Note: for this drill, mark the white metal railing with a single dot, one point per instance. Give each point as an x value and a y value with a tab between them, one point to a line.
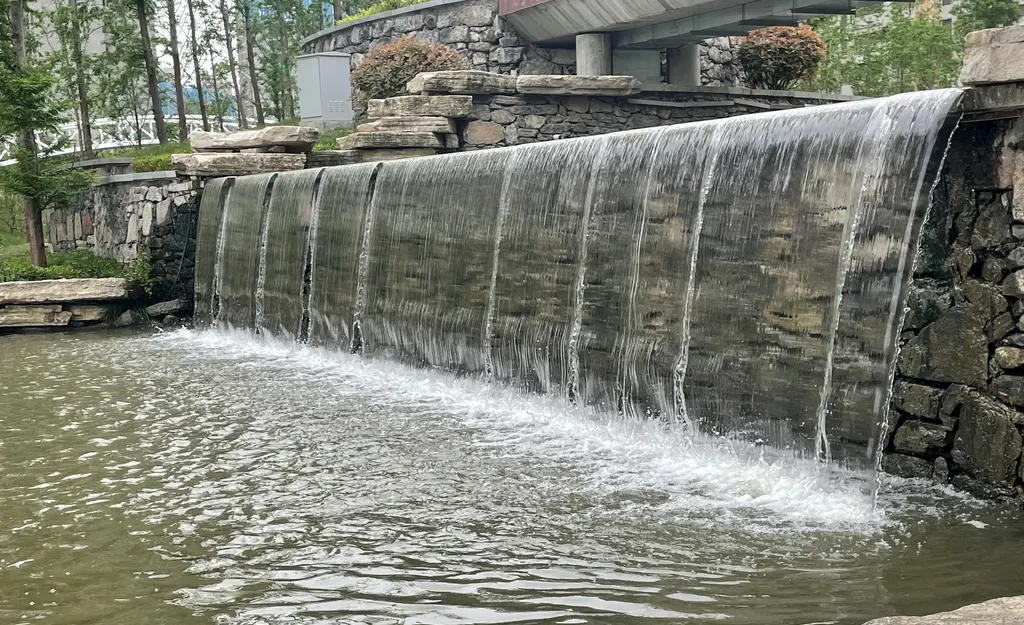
108	133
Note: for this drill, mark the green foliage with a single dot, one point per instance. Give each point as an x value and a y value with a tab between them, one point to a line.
377	7
160	162
386	69
780	56
329	139
77	264
973	15
887	49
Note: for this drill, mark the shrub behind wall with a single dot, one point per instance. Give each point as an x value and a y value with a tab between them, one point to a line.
780	56
386	69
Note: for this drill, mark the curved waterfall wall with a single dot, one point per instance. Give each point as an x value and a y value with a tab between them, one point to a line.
746	275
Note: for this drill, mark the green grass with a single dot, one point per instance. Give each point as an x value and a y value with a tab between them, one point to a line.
150	157
16	267
12	244
329	139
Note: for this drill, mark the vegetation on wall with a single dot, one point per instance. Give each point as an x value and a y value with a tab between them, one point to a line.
780	56
386	69
357	11
76	264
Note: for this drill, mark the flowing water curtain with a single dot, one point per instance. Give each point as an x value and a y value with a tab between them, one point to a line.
342	220
285	264
209	250
242	246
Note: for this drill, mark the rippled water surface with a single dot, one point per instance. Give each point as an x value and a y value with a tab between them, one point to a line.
212	478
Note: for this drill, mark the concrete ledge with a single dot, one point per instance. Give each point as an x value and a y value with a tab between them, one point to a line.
379	16
102	162
986	101
143	177
745	91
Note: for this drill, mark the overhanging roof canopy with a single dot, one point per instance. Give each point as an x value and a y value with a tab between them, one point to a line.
660	23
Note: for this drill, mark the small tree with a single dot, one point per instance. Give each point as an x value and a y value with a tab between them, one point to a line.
386	69
780	56
980	14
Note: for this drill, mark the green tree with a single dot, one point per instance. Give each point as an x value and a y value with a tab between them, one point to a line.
27	106
972	15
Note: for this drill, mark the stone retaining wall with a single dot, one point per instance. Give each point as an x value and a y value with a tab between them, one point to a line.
487	40
500	120
959	391
126	214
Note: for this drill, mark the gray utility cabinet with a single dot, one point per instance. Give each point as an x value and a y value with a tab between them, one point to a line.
325	90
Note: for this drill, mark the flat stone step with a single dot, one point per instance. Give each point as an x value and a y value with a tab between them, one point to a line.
230	164
64	291
331	158
579	85
88	312
454	106
467	82
440	125
386	154
17	316
297	138
374	140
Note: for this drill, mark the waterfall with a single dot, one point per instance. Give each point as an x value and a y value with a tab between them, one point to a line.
739	275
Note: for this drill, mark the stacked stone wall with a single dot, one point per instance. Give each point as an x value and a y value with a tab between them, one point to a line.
959	390
122	218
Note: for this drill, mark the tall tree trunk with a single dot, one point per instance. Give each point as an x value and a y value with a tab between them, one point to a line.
83	91
239	104
179	94
195	65
216	91
154	86
30	209
250	43
286	68
339	8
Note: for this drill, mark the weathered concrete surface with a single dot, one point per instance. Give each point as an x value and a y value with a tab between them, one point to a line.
88	312
468	82
454	106
992	56
384	154
331	158
375	140
29	316
578	85
298	138
230	164
63	291
1004	611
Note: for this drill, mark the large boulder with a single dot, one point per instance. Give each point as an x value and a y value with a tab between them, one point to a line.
63	291
292	138
579	85
987	443
467	82
992	56
212	165
454	106
1004	611
952	349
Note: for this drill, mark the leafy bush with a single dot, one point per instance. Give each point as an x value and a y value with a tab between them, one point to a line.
77	264
386	69
378	7
155	162
329	140
780	56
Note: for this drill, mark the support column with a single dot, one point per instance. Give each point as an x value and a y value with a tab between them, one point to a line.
684	65
593	54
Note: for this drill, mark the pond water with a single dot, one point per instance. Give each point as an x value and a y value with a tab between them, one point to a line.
204	477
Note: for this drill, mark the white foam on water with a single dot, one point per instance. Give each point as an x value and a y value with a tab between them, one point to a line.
718	481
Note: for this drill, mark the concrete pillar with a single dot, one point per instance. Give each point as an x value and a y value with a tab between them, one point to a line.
593	54
684	65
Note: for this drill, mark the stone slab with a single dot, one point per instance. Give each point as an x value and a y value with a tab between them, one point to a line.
376	140
332	158
88	312
63	291
440	125
1003	611
385	154
166	308
454	106
299	138
230	164
468	82
578	85
33	316
993	56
